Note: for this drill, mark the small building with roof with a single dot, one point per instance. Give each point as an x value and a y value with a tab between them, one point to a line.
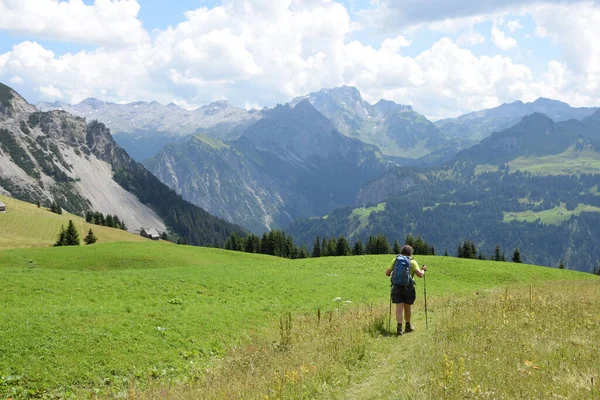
2	207
150	233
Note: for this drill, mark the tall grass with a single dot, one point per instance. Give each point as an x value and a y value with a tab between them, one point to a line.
118	319
518	343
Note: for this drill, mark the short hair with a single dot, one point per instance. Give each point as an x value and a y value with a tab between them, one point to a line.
407	250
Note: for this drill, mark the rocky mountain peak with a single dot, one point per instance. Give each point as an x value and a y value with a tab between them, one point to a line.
93	103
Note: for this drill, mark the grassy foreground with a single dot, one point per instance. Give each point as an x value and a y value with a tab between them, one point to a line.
26	225
119	318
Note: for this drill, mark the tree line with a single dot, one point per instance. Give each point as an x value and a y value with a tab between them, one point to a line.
468	249
111	221
278	243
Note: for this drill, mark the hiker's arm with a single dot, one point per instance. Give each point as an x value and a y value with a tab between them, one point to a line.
388	271
420	271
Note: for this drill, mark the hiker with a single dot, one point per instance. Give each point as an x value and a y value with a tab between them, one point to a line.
402	271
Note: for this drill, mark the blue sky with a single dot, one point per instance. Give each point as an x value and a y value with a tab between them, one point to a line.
444	58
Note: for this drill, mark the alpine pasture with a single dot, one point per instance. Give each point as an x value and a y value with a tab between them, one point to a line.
143	319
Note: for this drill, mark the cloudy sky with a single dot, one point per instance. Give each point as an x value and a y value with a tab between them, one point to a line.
443	57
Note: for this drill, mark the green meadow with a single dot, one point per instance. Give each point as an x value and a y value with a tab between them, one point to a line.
131	318
108	317
25	225
570	162
555	215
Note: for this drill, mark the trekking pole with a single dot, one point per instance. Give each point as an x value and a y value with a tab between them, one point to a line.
425	296
390	315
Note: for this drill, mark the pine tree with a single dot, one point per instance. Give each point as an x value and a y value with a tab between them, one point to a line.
317	247
60	241
497	254
71	235
396	249
358	248
561	265
331	246
324	251
303	252
446	253
90	238
516	258
342	248
164	236
55	207
382	246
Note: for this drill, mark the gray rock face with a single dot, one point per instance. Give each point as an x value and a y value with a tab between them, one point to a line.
396	129
293	163
143	128
55	155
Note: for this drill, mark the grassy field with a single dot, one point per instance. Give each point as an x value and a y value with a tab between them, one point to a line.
570	162
363	214
150	319
555	215
26	225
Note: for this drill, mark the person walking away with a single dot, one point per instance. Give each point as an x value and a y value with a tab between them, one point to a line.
402	272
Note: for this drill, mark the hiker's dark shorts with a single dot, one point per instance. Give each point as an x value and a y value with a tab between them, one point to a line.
403	294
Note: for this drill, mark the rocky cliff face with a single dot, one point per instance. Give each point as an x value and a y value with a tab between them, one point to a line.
291	164
55	155
396	129
143	128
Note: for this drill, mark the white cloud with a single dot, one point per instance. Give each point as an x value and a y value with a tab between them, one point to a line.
394	45
501	40
394	14
470	38
513	25
50	92
105	23
16	80
260	52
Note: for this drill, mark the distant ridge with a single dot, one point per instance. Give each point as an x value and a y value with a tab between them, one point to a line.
478	125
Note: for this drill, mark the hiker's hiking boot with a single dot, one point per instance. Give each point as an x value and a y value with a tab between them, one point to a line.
399	330
409	328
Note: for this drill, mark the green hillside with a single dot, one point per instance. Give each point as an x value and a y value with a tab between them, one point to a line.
116	316
26	225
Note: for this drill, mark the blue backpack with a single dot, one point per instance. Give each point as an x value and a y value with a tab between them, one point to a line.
401	271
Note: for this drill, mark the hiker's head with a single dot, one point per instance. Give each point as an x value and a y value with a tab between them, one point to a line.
407	250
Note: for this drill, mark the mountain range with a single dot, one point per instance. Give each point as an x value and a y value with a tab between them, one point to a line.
143	128
291	164
331	153
47	156
478	125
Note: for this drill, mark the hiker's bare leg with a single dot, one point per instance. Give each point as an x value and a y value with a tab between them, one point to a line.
407	312
399	308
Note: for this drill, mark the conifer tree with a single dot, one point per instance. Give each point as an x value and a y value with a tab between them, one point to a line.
60	240
561	265
396	249
324	250
497	254
317	247
331	246
446	253
55	207
164	236
342	247
71	235
90	238
358	248
303	252
516	258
